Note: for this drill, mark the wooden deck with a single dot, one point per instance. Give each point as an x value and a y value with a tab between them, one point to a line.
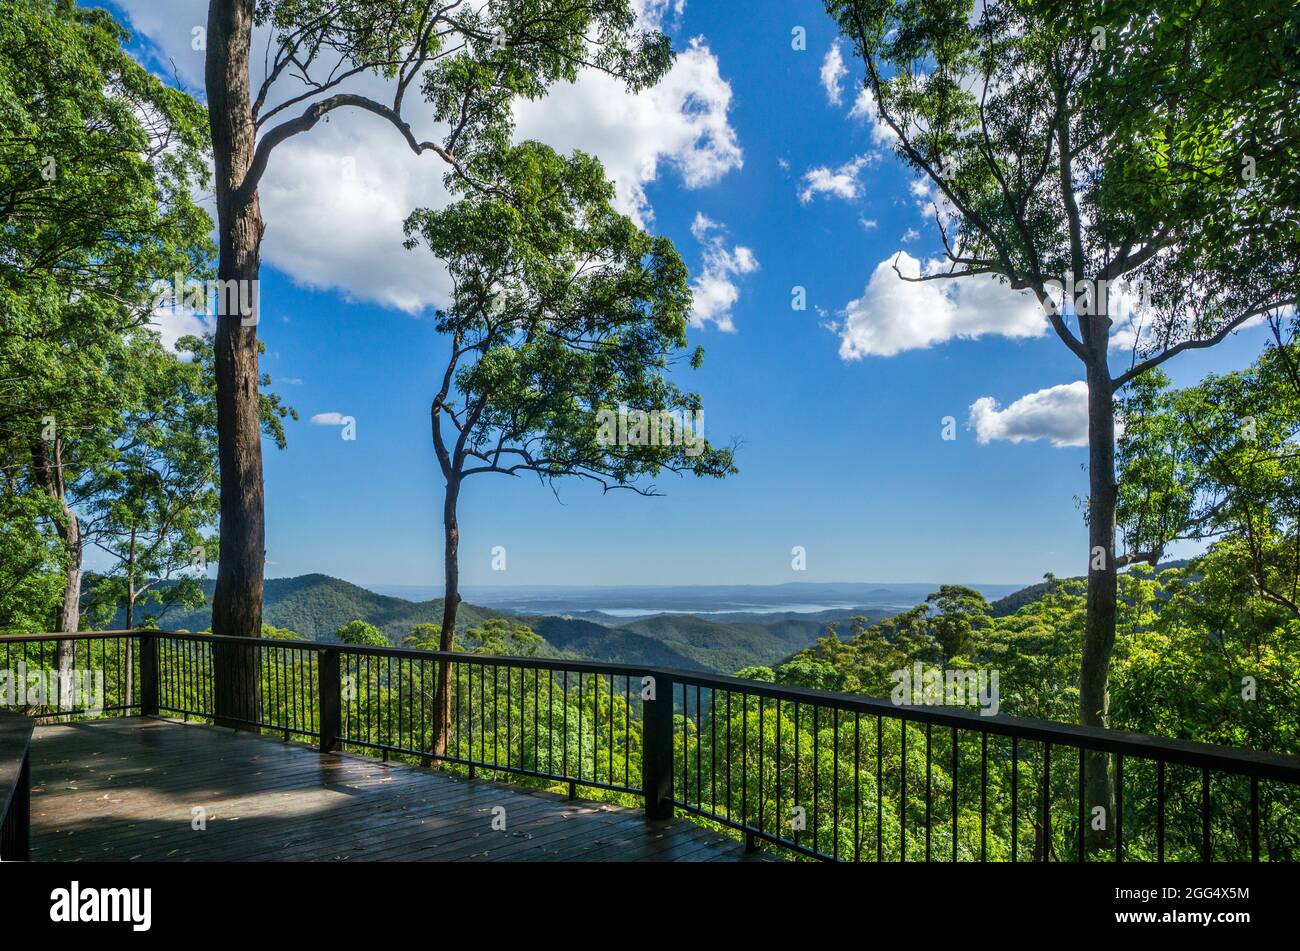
125	790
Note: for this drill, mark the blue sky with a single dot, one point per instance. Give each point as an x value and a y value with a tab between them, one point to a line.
840	456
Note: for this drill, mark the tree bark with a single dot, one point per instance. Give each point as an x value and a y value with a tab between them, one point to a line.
450	605
128	654
237	600
47	470
1099	629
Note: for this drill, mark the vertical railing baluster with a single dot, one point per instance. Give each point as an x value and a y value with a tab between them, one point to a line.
1082	853
699	733
1015	797
1254	819
928	757
1047	801
1119	807
984	796
857	787
761	743
880	799
835	787
744	759
1207	849
796	766
902	793
955	763
1160	810
816	804
713	750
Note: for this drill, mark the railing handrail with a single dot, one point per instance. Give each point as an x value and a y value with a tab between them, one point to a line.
1259	764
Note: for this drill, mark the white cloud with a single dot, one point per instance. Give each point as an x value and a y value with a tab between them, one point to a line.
715	291
843	182
865	109
330	231
1057	413
911	234
173	323
329	419
682	123
334	202
833	72
894	315
653	13
869	224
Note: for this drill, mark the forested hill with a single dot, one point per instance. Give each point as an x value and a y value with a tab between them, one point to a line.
1013	602
316	606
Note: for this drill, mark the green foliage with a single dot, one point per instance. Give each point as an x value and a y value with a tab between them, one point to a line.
362	634
563	308
1217	461
278	634
99	160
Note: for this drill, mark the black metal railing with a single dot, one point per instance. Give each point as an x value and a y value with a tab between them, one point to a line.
15	786
854	778
822	775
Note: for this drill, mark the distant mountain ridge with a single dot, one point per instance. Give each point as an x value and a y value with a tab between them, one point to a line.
315	606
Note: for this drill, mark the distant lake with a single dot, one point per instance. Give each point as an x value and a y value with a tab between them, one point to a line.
792	608
627	601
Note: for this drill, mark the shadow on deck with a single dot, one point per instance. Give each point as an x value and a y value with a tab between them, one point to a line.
126	790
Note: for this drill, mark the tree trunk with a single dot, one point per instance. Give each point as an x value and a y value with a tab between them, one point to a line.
237	601
130	606
450	604
47	470
129	654
1099	632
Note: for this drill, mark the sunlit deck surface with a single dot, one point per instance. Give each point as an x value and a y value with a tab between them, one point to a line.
124	790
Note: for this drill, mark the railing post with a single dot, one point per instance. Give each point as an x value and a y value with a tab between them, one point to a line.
329	687
657	746
148	675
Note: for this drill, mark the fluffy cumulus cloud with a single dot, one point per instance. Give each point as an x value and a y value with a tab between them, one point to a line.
842	182
894	315
334	202
335	198
681	123
714	286
833	72
1057	413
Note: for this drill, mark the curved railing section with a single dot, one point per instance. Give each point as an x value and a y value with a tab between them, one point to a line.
821	775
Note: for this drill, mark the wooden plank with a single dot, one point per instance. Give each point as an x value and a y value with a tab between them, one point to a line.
123	790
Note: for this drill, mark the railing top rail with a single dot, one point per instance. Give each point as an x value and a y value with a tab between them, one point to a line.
1262	765
15	738
70	636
